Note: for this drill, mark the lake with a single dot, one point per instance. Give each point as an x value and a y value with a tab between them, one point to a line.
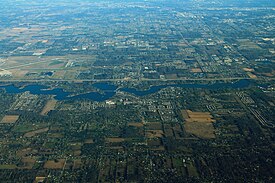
108	90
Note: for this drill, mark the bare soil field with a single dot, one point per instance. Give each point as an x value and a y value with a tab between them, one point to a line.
136	124
196	70
48	107
199	124
89	141
154	133
114	140
33	133
54	164
200	129
28	163
9	119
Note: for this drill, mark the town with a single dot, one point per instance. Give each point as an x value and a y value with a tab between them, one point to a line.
137	91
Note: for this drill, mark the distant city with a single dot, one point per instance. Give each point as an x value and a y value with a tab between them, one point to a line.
137	91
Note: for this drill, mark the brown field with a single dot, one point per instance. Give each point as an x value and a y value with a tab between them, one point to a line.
160	148
19	62
55	135
199	124
35	132
77	164
136	124
28	163
168	131
8	167
9	119
18	73
270	74
200	129
184	114
253	76
76	146
154	142
39	179
25	152
114	140
154	133
77	153
171	76
199	116
48	107
54	164
89	141
196	70
248	69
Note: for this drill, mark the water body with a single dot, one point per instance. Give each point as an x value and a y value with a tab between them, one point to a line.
109	90
239	84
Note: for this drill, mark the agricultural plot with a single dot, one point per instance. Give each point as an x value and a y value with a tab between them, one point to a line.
8	119
199	124
48	107
55	164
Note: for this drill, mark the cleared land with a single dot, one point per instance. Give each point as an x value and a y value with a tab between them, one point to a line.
9	119
24	128
199	123
115	140
48	107
28	163
135	124
196	70
154	133
8	167
55	164
35	132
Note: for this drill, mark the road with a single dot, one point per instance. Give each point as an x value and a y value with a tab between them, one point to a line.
116	80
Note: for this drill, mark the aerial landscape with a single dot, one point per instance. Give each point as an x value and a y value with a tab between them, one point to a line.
134	91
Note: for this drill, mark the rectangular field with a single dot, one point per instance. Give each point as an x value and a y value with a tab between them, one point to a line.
199	124
8	119
48	107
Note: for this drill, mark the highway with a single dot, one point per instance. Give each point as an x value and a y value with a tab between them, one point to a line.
117	80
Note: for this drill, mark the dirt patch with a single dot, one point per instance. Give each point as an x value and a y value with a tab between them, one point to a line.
253	76
28	163
139	125
248	69
154	133
77	164
55	164
200	129
199	124
48	107
33	133
9	119
89	141
8	167
196	70
115	140
171	76
55	135
39	179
